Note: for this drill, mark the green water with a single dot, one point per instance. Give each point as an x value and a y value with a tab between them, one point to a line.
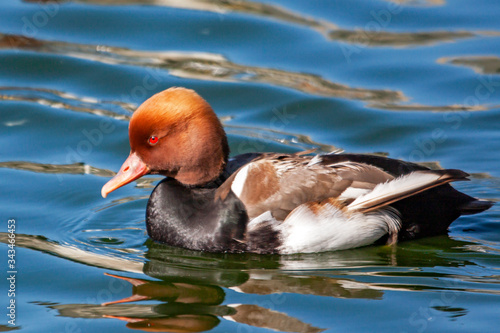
417	80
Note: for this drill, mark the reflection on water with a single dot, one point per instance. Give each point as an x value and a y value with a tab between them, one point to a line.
398	39
57	99
207	66
180	317
480	64
190	287
368	37
304	142
210	67
224	6
79	67
433	108
419	2
330	30
72	169
204	301
60	100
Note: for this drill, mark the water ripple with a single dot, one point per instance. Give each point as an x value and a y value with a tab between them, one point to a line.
480	64
215	67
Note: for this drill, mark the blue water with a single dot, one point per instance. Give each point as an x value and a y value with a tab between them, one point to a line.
417	80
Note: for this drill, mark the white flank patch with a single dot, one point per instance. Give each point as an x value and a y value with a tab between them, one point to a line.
264	217
410	182
239	181
331	229
351	165
315	160
353	193
336	151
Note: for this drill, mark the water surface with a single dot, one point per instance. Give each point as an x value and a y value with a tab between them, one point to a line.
417	80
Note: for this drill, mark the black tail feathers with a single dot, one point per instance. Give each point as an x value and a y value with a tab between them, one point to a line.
475	206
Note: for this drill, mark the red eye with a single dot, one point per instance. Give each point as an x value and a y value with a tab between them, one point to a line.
153	140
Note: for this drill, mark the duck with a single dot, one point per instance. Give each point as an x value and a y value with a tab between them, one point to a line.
276	203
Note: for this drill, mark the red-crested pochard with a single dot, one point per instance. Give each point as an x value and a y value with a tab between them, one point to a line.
272	202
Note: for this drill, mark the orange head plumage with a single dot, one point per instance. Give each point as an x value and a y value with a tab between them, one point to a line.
175	133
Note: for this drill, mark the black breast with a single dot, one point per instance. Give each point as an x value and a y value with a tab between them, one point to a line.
190	217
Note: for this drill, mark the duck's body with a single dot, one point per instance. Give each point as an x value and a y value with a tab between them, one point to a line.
276	203
312	217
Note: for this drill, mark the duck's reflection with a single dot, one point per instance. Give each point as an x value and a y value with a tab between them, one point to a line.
190	291
183	307
178	323
170	292
190	299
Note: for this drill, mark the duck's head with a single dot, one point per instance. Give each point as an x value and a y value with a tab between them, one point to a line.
177	134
